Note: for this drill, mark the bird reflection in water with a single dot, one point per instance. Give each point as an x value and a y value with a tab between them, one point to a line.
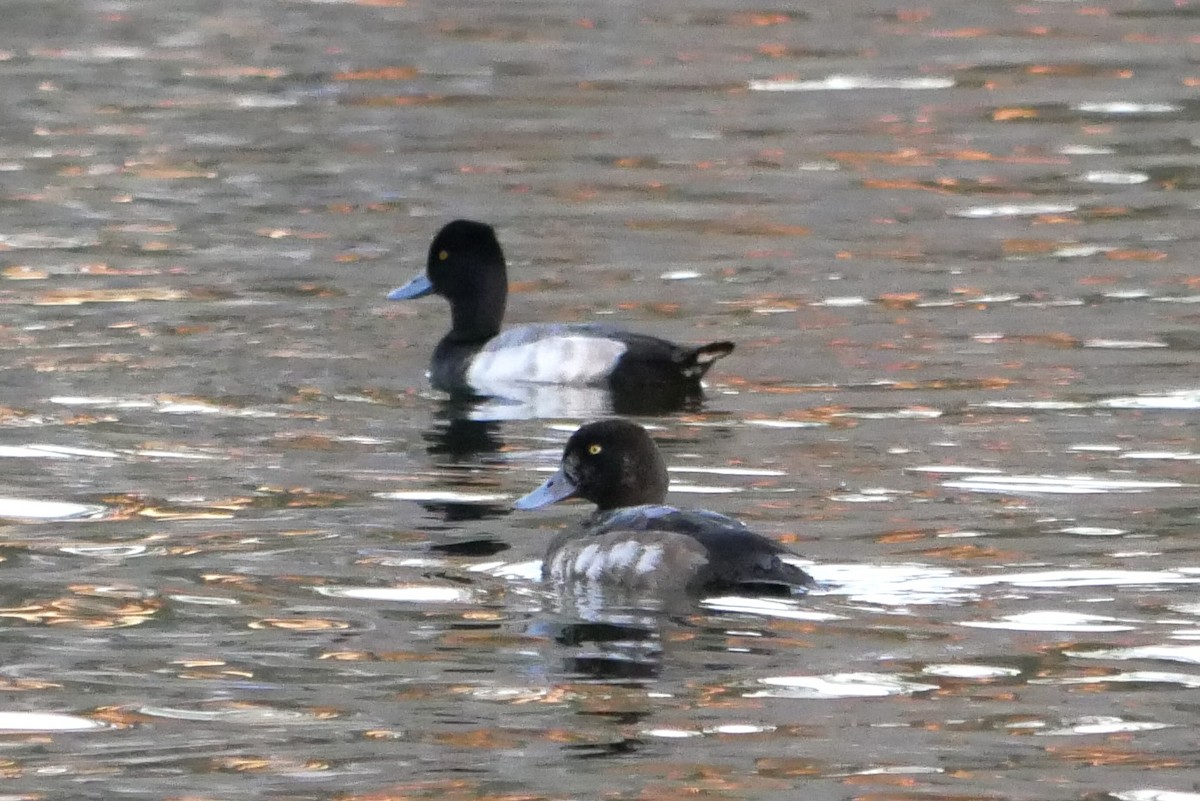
521	401
459	446
461	439
605	639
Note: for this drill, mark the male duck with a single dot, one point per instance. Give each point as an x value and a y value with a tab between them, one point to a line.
466	266
634	541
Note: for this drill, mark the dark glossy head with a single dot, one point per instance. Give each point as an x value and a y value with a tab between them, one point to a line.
612	463
466	266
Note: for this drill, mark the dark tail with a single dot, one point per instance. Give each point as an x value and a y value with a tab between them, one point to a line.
783	580
695	363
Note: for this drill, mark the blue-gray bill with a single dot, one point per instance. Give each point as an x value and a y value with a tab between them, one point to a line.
419	287
556	488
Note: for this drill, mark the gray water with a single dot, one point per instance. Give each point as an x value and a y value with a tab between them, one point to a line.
249	553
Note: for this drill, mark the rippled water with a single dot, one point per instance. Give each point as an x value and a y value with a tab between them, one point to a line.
247	552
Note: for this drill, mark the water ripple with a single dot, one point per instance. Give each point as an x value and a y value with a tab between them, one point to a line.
161	405
839	685
413	593
1188	680
905	585
1154	795
1015	210
28	509
30	722
1048	620
1058	485
1101	724
1124	107
973	672
1170	653
851	82
245	714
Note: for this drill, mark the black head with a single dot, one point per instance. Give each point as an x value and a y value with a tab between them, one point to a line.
466	266
612	463
464	257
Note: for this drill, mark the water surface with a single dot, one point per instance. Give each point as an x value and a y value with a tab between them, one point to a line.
248	553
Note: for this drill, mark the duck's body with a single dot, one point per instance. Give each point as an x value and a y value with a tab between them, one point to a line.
636	542
467	267
660	549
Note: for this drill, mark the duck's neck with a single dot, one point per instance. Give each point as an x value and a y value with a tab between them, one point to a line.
476	315
647	487
474	324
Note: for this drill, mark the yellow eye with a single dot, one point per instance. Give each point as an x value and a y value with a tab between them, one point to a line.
594	449
443	255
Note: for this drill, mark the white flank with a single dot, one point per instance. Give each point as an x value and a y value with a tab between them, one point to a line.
624	554
650	559
586	560
553	360
558	567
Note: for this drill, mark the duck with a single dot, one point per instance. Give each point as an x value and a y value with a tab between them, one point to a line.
466	266
635	541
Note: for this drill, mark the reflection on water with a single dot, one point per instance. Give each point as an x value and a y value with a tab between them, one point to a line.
462	439
247	553
29	509
625	648
528	401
